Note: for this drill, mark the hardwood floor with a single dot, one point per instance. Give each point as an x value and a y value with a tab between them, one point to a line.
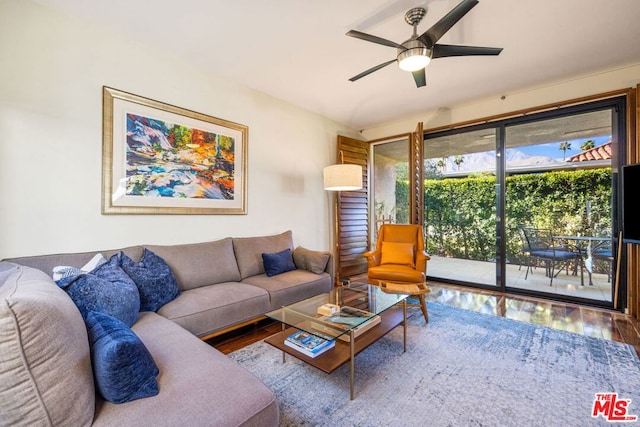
589	321
595	322
242	337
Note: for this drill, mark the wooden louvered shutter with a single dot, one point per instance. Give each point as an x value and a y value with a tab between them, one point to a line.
352	222
416	176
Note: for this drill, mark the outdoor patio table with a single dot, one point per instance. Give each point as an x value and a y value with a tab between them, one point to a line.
584	246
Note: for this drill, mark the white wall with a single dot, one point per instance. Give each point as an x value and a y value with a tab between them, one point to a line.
52	70
622	77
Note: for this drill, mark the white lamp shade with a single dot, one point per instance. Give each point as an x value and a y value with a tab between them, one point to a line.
342	177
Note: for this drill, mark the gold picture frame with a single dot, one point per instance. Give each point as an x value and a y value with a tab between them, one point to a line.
161	159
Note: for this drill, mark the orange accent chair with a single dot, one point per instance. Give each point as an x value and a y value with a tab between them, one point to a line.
399	258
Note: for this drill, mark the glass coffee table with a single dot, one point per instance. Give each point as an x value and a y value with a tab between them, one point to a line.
355	316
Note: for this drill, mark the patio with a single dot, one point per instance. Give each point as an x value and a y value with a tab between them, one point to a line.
485	273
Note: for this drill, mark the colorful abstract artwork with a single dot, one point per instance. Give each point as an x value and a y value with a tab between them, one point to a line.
170	160
162	159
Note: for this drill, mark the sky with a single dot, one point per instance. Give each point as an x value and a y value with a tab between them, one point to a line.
553	149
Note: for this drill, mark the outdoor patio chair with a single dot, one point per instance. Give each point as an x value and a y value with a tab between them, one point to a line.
539	245
604	251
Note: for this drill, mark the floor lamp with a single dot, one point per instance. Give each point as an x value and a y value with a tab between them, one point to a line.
340	177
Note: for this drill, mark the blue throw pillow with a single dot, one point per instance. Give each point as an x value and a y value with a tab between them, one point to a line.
278	263
123	368
153	277
107	289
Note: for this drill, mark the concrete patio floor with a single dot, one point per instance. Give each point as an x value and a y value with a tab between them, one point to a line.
485	273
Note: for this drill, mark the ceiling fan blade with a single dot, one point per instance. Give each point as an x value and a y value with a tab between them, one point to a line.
371	70
443	50
433	34
420	77
374	39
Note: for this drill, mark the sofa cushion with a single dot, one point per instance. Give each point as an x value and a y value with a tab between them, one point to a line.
200	264
314	261
122	366
199	386
249	251
154	279
396	273
210	308
278	263
292	286
107	289
45	364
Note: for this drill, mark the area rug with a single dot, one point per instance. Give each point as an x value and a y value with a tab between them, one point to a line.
462	369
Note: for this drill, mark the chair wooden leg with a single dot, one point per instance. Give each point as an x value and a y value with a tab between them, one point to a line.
423	306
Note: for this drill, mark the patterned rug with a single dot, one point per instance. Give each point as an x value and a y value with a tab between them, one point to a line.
462	369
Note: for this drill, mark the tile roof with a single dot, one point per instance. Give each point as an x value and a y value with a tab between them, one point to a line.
601	152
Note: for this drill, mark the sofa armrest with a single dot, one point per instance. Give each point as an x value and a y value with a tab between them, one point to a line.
330	269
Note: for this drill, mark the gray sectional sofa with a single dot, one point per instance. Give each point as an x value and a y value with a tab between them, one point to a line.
45	365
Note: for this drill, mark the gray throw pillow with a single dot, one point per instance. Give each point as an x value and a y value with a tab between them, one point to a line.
313	261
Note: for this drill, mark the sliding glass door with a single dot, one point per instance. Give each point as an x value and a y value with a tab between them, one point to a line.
528	204
558	205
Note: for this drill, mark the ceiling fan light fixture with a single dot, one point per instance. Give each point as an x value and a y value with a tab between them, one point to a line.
414	56
414	59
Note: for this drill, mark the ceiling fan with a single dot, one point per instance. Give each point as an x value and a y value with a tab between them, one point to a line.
414	54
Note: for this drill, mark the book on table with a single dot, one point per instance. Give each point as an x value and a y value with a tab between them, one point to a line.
308	344
348	317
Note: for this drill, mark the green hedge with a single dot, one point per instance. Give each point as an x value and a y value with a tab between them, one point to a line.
460	212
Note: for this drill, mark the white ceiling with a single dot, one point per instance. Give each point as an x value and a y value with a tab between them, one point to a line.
297	50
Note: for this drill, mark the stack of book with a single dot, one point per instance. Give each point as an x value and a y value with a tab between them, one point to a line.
309	344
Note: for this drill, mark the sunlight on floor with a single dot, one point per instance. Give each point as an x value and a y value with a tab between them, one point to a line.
581	320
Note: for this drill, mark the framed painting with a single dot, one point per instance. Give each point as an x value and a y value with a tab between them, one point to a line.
162	159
